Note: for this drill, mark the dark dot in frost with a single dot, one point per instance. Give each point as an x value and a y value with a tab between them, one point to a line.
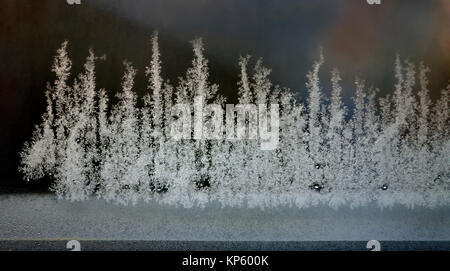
317	187
438	179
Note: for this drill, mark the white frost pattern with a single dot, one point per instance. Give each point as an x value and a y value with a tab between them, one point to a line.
392	150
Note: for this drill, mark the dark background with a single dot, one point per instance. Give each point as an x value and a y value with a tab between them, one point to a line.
359	39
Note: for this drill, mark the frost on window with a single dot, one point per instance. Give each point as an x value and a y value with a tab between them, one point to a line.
391	150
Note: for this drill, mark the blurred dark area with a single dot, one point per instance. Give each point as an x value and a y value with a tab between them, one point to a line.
359	39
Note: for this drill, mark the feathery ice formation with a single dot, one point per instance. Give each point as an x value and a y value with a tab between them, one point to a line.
392	150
